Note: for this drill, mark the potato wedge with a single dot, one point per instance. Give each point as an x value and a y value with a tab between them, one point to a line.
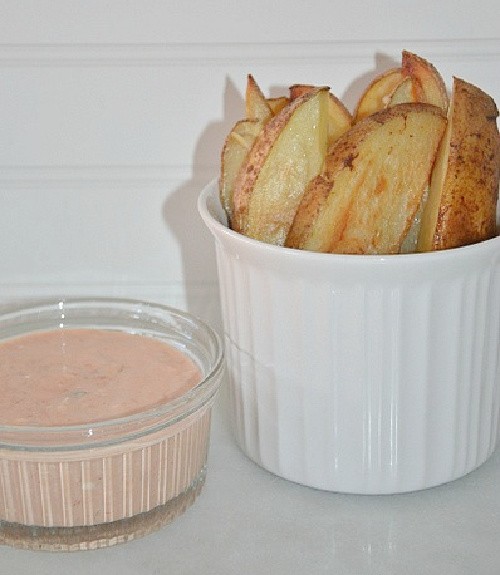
409	90
277	104
461	208
288	153
236	148
378	93
256	105
409	244
339	117
417	80
366	197
431	83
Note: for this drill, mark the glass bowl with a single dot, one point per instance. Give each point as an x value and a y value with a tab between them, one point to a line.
92	485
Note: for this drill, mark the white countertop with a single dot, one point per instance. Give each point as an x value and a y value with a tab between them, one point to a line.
247	521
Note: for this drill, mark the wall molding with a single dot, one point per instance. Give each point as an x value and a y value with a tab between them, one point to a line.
158	54
175	290
102	177
199	298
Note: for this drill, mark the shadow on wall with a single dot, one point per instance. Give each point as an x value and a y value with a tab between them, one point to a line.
181	215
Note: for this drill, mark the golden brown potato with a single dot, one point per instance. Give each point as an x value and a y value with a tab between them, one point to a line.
256	105
366	197
433	88
409	244
409	90
238	144
277	104
377	94
287	153
308	214
339	117
417	80
463	195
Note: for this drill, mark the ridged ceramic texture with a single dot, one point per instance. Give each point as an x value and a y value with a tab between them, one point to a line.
361	374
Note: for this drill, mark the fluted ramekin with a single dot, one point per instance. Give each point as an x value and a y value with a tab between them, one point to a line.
360	374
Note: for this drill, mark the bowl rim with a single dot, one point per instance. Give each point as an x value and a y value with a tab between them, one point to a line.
136	425
210	193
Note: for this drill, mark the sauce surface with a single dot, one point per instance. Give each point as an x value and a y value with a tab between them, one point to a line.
78	376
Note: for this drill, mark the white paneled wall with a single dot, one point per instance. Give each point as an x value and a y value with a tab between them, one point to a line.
112	116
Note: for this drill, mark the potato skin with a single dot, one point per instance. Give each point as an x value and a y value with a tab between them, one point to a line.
461	208
310	207
236	147
433	88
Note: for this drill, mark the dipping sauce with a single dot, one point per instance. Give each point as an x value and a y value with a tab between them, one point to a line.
77	376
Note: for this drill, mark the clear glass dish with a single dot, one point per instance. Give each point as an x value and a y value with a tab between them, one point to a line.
94	485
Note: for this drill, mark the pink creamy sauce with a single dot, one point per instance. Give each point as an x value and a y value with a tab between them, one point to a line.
78	376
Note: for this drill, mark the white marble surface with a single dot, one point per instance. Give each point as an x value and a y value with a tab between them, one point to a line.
247	521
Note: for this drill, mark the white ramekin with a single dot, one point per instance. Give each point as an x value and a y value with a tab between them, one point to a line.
360	374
